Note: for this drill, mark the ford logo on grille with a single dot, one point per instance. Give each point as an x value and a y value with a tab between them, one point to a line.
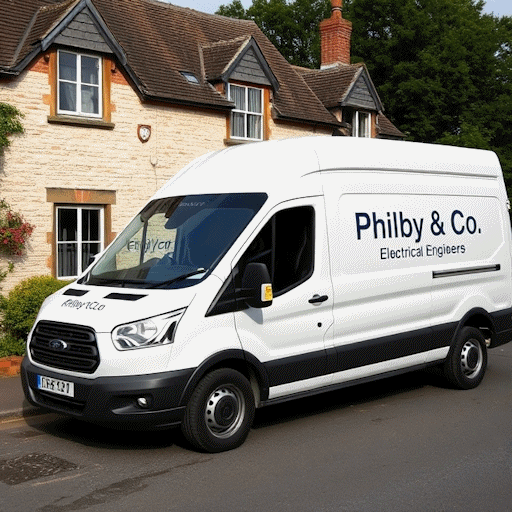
58	345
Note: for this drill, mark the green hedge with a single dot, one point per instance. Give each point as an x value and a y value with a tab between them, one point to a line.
19	311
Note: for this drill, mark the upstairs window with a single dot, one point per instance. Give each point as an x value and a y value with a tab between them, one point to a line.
79	84
361	123
247	116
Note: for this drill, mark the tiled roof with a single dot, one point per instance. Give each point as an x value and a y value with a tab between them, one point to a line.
42	21
386	128
331	85
218	55
160	41
15	22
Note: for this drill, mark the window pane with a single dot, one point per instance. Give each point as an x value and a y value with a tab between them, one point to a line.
90	225
88	251
67	225
237	95
90	70
67	66
294	247
237	125
290	259
67	260
363	125
67	96
253	127
255	100
90	99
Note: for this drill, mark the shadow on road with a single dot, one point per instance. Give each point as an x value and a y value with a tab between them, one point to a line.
110	439
347	397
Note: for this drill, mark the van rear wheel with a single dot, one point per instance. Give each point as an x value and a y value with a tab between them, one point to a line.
467	360
220	411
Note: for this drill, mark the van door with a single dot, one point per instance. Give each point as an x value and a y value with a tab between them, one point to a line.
289	337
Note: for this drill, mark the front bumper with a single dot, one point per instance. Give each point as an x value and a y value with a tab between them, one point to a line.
112	401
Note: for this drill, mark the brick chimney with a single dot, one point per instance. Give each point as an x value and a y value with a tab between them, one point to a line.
335	37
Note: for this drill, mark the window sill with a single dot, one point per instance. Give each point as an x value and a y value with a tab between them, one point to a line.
81	121
238	142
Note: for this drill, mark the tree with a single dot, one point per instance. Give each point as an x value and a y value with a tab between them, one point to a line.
292	27
10	123
442	68
430	60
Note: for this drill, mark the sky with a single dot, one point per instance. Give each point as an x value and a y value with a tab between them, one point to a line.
499	7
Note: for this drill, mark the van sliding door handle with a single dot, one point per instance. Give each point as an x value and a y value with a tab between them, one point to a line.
318	298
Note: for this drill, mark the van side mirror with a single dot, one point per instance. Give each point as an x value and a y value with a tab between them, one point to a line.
257	288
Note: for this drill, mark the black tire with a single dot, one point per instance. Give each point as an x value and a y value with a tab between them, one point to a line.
467	360
220	412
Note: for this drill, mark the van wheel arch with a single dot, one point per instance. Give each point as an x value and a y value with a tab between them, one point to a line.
243	362
478	318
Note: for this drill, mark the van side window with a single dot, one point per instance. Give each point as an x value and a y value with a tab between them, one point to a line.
286	246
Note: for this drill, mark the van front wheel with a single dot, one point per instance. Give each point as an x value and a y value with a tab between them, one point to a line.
467	360
220	411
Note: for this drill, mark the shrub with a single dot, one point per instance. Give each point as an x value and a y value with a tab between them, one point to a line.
21	306
10	346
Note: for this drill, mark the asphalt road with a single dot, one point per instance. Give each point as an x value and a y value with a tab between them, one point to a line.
404	444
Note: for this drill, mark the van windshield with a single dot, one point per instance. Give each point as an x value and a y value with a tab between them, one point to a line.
175	242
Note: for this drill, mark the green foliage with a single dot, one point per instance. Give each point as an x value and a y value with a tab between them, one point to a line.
469	136
10	123
443	69
11	346
233	10
22	304
291	26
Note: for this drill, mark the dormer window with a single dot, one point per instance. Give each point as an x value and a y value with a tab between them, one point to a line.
361	123
79	84
247	116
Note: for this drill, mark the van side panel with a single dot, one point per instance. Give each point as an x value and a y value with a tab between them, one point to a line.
411	254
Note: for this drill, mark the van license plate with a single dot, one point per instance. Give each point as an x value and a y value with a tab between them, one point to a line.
60	387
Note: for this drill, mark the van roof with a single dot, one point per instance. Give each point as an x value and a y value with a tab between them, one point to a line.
280	166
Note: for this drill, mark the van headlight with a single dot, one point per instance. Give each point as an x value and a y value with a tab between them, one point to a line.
150	332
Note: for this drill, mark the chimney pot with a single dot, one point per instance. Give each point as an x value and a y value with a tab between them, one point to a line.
336	8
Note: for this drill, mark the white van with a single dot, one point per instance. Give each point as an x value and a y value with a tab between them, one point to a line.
275	270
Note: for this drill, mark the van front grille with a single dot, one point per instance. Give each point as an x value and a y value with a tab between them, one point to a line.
65	346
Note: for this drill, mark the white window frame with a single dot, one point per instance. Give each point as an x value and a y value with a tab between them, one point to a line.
79	83
246	112
79	241
356	121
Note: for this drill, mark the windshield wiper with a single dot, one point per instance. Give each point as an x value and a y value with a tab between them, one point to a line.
180	278
105	281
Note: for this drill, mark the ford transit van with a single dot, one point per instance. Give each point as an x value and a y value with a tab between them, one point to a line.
271	271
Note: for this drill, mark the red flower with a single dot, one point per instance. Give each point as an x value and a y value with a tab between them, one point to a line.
14	231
